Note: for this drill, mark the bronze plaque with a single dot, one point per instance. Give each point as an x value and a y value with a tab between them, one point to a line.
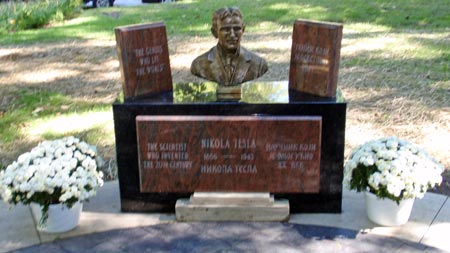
315	54
277	154
144	59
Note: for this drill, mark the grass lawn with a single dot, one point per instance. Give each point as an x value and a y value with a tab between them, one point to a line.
193	18
394	71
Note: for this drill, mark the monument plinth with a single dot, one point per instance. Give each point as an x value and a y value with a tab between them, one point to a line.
230	149
317	186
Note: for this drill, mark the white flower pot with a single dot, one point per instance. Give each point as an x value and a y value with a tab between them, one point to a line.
387	212
60	218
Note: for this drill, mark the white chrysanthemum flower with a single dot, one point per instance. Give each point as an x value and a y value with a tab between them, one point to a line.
24	187
369	161
83	146
70	140
64	169
37	152
6	194
59	152
375	180
73	163
24	159
402	168
6	179
392	144
78	155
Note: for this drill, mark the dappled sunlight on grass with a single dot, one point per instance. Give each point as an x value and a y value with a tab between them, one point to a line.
406	45
83	20
87	69
437	140
270	42
368	44
194	17
264	26
315	10
280	6
181	61
394	68
358	29
47	75
71	124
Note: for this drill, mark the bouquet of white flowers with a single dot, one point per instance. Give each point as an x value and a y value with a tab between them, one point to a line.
60	171
392	168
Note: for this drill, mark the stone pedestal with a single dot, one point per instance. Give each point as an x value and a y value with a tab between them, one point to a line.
229	93
221	206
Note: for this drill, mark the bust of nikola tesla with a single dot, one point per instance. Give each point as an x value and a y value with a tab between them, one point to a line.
228	63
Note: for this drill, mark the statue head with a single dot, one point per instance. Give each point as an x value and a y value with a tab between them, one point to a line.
228	27
228	63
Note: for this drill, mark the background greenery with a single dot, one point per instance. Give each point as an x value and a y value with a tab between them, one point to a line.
18	15
399	79
193	17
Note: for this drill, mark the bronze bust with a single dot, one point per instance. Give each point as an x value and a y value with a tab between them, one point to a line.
228	63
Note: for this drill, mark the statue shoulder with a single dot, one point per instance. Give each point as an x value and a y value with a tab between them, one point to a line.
201	60
253	56
207	56
257	61
201	64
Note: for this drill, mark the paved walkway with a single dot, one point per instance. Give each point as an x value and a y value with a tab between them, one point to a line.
127	2
103	228
123	3
231	237
133	2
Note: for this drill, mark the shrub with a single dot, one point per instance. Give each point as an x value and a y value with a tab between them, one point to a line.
19	15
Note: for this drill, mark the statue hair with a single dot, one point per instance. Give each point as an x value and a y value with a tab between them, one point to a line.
223	13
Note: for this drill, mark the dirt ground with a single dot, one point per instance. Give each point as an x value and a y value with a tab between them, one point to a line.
89	71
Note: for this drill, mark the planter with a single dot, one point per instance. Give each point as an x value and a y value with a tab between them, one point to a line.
60	217
386	212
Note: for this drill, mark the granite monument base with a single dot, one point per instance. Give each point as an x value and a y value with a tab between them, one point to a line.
328	199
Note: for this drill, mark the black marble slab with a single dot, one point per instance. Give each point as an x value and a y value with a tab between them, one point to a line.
333	114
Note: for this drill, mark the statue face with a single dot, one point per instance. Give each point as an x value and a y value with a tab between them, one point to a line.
229	32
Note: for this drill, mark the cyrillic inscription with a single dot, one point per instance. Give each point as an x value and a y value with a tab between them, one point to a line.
315	57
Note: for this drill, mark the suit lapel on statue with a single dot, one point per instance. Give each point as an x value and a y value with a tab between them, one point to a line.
214	59
243	66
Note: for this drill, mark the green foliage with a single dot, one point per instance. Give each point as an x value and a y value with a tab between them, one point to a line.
360	177
19	15
360	182
194	92
193	18
265	92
